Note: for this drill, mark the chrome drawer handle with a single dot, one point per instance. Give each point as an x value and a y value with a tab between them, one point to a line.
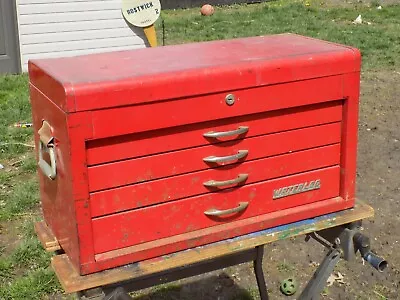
213	183
217	159
239	131
216	212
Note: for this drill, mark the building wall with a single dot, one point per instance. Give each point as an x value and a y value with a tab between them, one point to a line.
55	28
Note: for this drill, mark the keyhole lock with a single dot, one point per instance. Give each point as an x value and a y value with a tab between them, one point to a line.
230	99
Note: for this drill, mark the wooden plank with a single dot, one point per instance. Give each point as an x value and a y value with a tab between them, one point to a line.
46	237
73	282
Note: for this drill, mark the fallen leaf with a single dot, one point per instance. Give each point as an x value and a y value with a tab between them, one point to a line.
358	20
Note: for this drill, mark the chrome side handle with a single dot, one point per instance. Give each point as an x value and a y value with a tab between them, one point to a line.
219	159
49	170
214	183
215	135
46	144
216	212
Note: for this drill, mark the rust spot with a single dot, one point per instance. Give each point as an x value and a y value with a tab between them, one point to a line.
116	199
174	171
191	243
140	179
175	208
252	195
190	228
125	237
165	196
237	231
195	179
149	174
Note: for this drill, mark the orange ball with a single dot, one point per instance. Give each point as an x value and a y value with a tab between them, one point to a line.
207	10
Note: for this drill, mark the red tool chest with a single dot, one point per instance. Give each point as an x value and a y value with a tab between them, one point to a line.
151	151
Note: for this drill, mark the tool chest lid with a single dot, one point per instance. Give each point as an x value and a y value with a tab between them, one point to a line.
105	80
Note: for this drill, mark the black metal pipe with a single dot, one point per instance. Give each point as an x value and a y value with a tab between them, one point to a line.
377	262
362	243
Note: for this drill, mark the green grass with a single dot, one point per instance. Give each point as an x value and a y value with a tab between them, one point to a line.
24	265
378	42
14	107
34	285
22	197
25	271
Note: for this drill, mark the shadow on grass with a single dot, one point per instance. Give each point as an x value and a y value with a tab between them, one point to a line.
213	287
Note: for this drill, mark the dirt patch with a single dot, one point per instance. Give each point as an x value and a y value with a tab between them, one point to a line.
9	236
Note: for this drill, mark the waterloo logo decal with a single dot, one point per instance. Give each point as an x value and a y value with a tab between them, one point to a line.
296	189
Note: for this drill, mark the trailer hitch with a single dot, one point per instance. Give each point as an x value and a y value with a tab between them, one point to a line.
342	241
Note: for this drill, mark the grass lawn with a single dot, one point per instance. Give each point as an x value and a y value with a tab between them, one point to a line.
24	271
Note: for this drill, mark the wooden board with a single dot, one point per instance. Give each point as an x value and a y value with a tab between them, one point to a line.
46	237
72	282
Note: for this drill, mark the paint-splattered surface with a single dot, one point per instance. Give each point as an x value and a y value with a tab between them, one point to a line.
72	282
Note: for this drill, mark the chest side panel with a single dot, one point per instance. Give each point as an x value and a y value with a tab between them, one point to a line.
56	195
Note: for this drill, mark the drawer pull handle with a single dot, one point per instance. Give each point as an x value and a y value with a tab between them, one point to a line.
216	212
213	183
46	144
215	135
217	159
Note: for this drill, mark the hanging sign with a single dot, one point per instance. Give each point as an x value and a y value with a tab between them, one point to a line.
141	13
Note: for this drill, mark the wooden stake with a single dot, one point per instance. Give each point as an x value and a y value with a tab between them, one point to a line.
151	35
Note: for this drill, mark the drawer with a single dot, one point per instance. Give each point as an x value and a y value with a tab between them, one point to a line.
197	183
196	159
154	222
198	109
189	136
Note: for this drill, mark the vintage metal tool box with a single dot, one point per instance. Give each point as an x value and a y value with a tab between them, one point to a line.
152	151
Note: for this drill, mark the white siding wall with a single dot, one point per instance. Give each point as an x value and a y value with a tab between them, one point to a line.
56	28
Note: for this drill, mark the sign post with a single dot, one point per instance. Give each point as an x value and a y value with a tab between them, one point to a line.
143	13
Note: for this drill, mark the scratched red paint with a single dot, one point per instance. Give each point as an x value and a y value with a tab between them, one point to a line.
130	142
